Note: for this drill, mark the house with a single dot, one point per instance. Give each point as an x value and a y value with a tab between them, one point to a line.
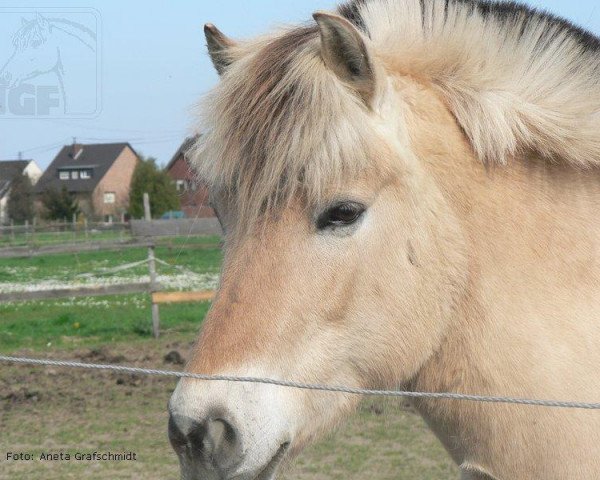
193	193
9	169
99	175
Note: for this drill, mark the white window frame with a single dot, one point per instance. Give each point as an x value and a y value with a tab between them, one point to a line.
110	197
180	185
64	175
74	174
85	174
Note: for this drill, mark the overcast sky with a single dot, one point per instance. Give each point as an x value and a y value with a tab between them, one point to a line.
132	71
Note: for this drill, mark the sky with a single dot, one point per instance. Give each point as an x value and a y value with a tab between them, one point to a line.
131	70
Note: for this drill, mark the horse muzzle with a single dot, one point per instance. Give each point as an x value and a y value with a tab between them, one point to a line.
235	434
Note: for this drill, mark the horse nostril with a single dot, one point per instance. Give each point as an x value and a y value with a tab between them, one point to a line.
220	441
213	442
177	438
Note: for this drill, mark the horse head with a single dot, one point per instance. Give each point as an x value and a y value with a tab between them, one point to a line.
337	268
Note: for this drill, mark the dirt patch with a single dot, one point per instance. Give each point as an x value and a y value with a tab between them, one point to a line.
174	357
101	355
20	394
51	409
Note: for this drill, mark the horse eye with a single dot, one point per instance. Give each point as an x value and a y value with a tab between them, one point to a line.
340	215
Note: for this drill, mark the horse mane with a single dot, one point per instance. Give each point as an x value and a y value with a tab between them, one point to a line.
516	79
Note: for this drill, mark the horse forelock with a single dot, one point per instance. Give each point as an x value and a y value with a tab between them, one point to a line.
279	125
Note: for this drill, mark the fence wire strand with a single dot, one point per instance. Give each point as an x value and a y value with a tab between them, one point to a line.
303	386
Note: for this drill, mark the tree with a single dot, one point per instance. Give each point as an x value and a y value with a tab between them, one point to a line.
20	199
148	178
60	204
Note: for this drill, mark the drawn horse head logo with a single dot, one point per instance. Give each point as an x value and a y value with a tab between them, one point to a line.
59	51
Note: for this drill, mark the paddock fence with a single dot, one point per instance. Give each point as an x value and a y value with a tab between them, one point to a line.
306	386
34	239
152	287
36	234
175	227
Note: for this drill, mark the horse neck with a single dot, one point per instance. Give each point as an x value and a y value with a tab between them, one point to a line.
532	229
529	223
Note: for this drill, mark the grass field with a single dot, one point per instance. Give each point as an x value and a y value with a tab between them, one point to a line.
20	238
53	410
64	266
68	323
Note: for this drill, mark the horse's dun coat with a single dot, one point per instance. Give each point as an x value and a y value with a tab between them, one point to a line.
468	133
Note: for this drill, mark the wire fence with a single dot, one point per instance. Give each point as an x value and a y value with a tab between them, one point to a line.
53	233
305	386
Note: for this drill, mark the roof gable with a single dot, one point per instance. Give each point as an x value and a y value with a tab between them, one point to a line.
9	169
182	150
95	158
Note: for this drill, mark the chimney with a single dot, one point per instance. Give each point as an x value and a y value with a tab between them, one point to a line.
75	149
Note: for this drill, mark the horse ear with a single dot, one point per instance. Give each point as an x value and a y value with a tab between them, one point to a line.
219	46
345	52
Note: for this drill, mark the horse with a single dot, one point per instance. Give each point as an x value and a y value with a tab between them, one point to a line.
55	46
409	193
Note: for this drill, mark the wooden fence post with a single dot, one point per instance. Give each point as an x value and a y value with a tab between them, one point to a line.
153	288
147	213
152	270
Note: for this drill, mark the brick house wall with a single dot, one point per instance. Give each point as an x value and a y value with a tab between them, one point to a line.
84	201
116	182
193	194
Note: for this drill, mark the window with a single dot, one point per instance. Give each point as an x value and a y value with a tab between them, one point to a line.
180	185
63	175
109	197
74	175
85	174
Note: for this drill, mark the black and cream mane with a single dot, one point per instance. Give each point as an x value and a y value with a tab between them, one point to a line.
504	12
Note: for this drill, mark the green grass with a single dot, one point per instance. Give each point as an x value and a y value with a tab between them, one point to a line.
66	323
52	238
200	260
57	238
72	323
191	240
